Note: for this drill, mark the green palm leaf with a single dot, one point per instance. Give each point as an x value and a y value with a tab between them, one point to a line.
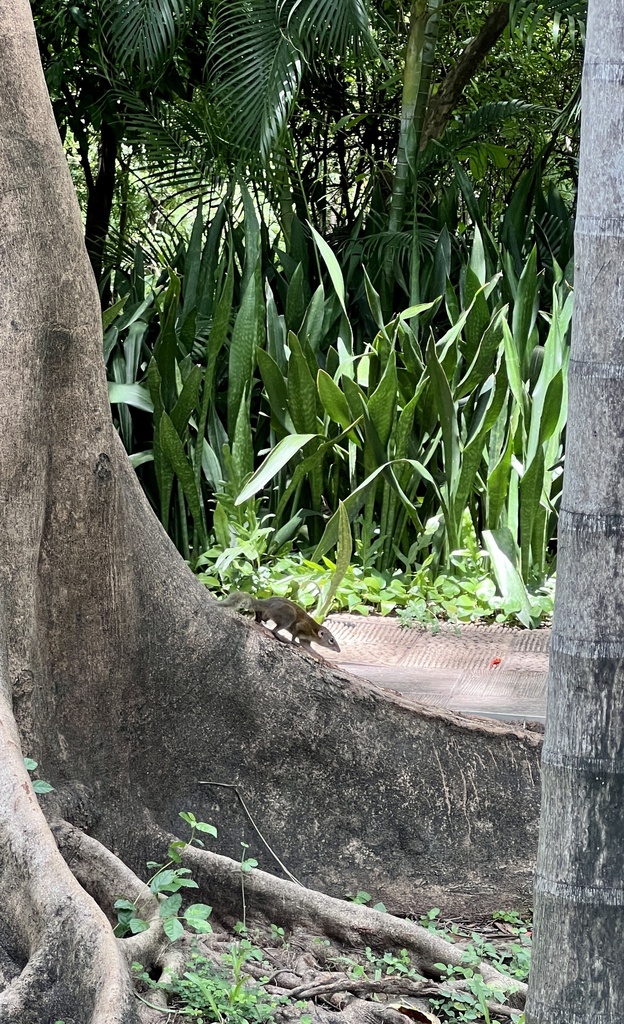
145	31
257	57
256	72
331	25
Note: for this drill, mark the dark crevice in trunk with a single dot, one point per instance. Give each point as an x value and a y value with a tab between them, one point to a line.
100	201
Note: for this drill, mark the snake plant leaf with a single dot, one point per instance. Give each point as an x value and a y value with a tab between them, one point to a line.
525	308
130	394
489	345
275	387
110	314
242	442
333	267
333	400
531	487
498	484
192	264
279	457
242	352
503	553
188	401
312	329
301	389
447	414
344	549
295	301
551	410
383	401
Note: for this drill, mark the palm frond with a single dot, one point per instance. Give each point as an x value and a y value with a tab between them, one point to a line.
476	125
332	26
256	73
527	15
145	32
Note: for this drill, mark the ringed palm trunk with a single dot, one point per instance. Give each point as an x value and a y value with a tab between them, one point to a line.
579	894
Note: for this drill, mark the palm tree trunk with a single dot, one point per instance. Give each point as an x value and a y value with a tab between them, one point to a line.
579	897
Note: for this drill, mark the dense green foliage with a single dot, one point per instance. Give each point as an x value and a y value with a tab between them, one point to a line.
370	302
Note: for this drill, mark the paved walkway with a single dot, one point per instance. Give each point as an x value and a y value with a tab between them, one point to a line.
492	671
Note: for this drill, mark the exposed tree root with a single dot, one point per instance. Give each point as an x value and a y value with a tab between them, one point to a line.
74	942
59	956
272	900
282	902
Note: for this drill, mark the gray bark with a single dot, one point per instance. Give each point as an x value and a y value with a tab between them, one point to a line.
579	898
118	670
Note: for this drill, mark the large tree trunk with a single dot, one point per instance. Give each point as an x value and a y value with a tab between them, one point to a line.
579	904
131	686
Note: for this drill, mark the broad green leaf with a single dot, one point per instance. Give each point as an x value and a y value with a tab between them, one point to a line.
411	311
555	357
301	389
355	397
210	261
192	261
503	553
132	349
275	460
166	347
332	265
216	340
211	467
130	394
242	353
112	312
512	361
188	400
498	485
136	925
525	306
477	257
173	928
162	466
478	314
275	330
170	906
312	329
374	302
253	242
344	550
200	910
531	486
174	451
139	458
484	357
382	403
274	385
551	410
40	786
295	301
208	829
242	442
447	415
333	399
123	905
